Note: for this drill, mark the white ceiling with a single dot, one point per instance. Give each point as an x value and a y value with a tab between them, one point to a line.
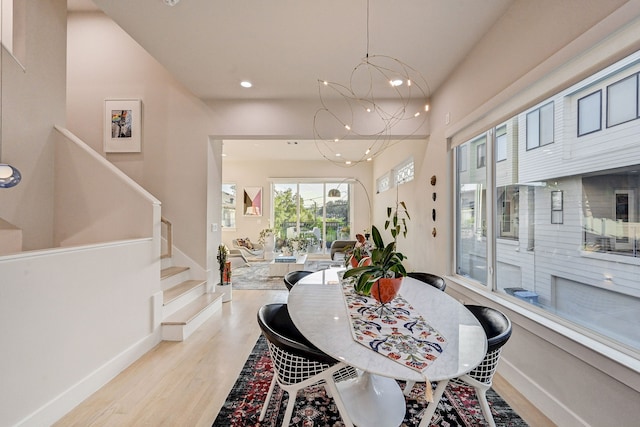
285	46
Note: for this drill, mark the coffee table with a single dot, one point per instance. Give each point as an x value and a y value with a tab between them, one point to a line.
283	265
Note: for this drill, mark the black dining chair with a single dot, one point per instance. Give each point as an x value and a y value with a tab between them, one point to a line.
292	277
430	279
497	327
297	363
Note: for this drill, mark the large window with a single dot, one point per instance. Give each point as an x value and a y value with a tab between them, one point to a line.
316	212
590	113
558	230
471	216
622	101
540	126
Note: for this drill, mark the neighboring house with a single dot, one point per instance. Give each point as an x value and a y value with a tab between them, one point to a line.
567	203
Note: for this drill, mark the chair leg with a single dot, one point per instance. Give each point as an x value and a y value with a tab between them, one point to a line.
431	408
481	392
292	400
408	387
265	405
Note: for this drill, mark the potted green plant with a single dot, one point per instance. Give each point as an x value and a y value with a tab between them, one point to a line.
386	263
223	264
265	235
396	221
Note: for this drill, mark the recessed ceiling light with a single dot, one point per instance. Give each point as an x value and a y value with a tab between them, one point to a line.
338	154
246	83
396	82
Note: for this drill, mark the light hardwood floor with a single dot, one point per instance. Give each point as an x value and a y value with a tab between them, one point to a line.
186	383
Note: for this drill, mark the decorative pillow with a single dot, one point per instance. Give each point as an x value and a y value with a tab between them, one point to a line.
245	243
248	244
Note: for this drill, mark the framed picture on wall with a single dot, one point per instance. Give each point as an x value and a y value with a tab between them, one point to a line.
122	125
252	201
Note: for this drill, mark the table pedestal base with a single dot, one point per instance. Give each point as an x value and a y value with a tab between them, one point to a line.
373	401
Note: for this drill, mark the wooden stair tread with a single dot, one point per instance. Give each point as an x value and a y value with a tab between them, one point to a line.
180	289
172	271
189	312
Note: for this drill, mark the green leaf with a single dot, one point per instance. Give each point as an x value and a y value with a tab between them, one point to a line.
377	239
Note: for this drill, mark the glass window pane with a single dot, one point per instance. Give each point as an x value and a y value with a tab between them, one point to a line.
589	113
311	215
622	101
546	124
312	202
501	144
228	206
463	159
566	221
285	212
533	129
471	242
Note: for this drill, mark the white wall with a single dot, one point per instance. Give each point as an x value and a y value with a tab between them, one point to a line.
32	103
105	63
71	320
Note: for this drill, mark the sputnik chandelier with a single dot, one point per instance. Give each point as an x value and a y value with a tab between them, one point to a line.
382	94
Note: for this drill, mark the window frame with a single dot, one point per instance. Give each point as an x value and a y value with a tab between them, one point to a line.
637	90
578	103
538	114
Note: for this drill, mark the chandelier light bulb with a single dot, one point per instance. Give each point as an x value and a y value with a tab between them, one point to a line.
246	84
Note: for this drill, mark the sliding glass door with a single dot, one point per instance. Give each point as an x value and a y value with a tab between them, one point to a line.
311	213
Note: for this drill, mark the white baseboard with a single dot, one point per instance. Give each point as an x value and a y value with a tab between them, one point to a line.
72	397
539	397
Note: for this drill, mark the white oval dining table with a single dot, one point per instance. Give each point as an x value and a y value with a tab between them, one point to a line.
318	309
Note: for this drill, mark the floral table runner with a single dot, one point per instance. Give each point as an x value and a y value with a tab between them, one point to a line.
399	333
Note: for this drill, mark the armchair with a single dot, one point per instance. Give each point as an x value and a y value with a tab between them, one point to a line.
247	247
340	247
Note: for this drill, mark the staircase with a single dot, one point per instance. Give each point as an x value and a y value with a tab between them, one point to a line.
186	303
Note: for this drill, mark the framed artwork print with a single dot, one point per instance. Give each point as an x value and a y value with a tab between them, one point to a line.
252	201
122	125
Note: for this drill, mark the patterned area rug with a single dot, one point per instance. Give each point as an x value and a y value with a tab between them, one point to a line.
457	408
255	276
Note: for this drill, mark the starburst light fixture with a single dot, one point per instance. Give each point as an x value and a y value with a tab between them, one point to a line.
383	93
